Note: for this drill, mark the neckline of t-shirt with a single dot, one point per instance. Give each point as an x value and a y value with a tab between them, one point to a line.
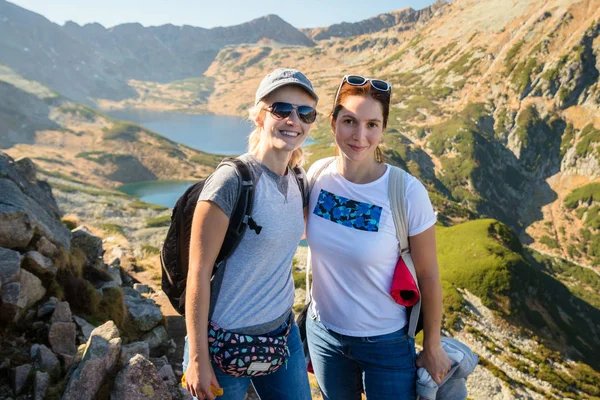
383	177
267	170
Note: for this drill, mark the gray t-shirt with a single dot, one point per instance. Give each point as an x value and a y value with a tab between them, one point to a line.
257	289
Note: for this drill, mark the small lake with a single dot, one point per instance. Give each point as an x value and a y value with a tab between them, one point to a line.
217	134
162	193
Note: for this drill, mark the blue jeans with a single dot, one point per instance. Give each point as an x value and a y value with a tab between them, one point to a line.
289	382
383	365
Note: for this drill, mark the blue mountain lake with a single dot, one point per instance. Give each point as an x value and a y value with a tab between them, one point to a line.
218	134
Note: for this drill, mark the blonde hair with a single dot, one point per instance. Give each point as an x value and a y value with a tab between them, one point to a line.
297	157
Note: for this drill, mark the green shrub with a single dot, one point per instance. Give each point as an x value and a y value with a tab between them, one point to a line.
150	250
80	110
567	138
164	220
70	224
210	160
299	280
112	229
139	204
122	130
589	137
547	241
509	60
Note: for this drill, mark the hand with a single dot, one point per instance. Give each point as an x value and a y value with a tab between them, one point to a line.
199	378
435	361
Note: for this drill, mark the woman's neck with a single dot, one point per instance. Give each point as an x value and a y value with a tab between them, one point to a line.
276	161
363	172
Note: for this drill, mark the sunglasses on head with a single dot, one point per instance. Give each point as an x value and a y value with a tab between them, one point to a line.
282	110
357	80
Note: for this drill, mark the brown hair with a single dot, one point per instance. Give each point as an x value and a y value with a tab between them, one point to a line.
365	90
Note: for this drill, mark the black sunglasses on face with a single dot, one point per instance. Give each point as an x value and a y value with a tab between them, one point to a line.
357	80
282	110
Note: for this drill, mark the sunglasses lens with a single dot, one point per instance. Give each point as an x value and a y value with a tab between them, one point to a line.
380	85
355	80
307	114
281	110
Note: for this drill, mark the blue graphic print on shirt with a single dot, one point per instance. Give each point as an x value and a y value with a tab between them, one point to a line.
350	213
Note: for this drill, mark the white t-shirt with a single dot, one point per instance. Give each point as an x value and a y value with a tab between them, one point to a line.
354	250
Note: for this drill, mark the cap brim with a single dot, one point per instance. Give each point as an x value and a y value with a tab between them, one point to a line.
286	82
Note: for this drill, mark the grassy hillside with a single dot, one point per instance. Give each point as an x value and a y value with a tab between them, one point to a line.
486	258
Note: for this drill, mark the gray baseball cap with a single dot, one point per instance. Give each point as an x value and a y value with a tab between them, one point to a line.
282	77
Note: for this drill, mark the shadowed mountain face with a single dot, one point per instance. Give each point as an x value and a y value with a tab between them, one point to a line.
83	62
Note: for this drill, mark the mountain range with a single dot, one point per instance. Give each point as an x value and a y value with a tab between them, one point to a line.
496	109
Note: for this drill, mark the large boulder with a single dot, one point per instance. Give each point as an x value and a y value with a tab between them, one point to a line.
18	296
139	380
10	265
29	215
9	306
32	290
107	331
44	360
21	376
62	313
46	248
39	265
22	173
86	327
90	244
16	229
48	307
40	385
156	337
130	350
62	338
100	360
144	313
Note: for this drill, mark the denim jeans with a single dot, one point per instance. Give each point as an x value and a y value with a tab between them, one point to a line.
383	365
289	382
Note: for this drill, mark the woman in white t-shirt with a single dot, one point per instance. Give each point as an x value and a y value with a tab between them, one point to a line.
357	333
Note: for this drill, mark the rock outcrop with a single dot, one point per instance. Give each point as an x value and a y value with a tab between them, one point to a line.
42	263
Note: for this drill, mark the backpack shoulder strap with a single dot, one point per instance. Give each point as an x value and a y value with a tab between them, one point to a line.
241	214
239	220
398	205
313	179
319	171
300	176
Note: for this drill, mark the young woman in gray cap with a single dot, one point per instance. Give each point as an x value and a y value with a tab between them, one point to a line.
251	335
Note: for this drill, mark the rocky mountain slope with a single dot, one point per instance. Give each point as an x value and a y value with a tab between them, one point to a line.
496	109
78	142
400	20
71	324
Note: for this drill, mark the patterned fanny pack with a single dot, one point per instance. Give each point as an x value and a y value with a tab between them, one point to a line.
238	354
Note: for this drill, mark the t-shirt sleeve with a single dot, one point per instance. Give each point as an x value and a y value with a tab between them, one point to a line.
418	207
222	188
